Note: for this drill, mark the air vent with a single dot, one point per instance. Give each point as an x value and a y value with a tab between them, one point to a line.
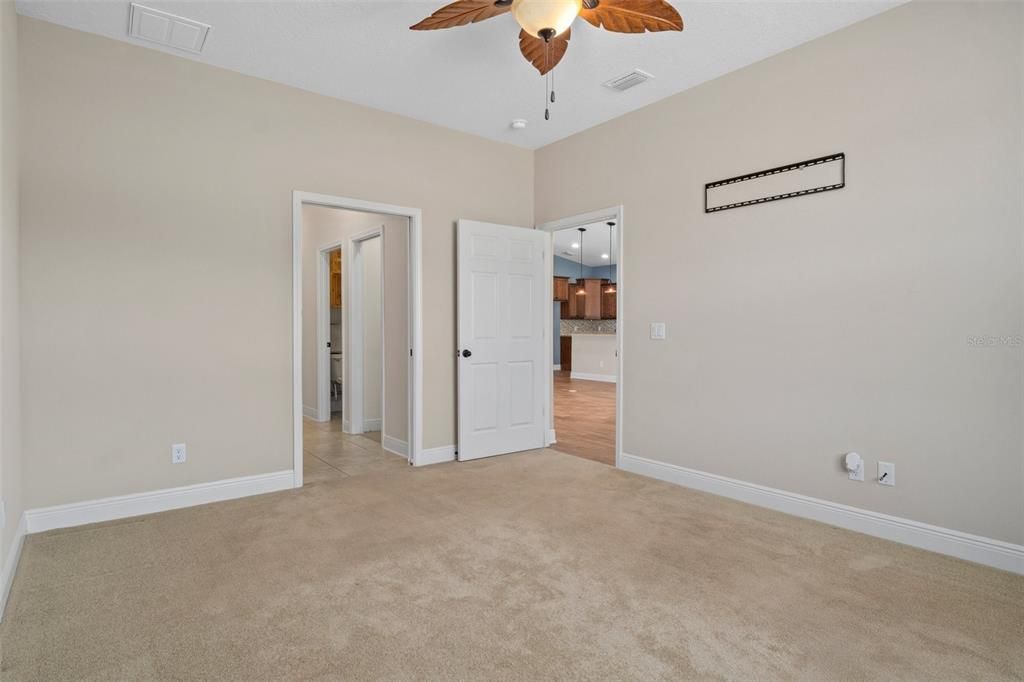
166	29
633	78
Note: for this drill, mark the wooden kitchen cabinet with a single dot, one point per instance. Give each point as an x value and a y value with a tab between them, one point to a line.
608	302
572	307
592	299
561	288
336	278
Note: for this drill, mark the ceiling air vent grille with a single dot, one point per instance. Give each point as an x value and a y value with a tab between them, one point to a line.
631	79
156	26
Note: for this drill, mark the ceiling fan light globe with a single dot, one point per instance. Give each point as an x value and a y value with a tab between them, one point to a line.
534	16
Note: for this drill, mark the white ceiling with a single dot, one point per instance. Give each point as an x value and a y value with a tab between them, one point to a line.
471	78
595	244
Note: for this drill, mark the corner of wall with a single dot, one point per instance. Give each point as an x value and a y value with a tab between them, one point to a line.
10	379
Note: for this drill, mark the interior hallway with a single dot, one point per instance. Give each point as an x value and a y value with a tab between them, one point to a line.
585	418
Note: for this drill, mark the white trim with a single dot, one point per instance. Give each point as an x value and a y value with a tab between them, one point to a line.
124	506
311	413
415	216
550	437
372	425
557	367
618	214
11	563
982	550
607	378
392	444
445	453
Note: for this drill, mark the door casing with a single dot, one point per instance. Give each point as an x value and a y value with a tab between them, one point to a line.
616	213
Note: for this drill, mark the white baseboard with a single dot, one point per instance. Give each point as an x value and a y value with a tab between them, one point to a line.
391	444
982	550
557	367
10	566
372	425
311	412
608	378
549	437
445	453
124	506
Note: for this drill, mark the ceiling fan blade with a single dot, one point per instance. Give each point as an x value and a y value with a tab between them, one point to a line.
463	12
633	16
536	50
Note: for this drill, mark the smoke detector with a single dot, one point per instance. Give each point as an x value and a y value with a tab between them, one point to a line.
164	28
629	80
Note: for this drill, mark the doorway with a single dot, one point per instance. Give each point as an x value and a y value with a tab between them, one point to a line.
585	389
375	387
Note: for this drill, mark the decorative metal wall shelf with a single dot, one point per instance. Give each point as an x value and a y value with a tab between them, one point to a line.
823	174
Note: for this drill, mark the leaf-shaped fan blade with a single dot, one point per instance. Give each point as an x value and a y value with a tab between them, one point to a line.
536	50
633	16
463	12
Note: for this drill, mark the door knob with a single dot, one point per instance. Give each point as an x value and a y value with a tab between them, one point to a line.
466	353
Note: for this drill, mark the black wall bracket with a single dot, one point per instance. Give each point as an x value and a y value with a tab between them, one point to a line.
797	191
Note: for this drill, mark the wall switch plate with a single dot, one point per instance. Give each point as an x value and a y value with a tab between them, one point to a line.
657	330
178	453
887	473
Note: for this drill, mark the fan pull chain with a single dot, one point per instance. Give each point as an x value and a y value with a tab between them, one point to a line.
547	80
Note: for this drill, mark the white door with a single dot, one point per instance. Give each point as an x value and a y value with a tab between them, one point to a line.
502	354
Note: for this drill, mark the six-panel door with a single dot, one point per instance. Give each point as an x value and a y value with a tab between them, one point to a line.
503	302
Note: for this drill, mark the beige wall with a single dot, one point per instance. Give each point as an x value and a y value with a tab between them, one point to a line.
156	215
396	330
373	348
10	426
805	328
594	354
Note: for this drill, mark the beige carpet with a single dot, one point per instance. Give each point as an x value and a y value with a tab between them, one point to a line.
532	566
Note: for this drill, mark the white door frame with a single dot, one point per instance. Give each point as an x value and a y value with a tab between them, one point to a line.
615	213
353	330
323	334
415	217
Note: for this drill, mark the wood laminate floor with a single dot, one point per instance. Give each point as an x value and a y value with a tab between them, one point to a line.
585	418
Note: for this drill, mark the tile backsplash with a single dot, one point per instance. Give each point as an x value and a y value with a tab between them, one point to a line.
569	327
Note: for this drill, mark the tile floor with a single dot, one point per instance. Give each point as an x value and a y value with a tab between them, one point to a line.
330	454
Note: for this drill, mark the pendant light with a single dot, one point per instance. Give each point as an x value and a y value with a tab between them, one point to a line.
580	291
611	284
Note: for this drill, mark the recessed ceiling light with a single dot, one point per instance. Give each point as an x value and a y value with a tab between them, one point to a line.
575	245
604	255
518	123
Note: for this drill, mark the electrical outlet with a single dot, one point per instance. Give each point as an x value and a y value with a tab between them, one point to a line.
854	466
178	453
887	473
